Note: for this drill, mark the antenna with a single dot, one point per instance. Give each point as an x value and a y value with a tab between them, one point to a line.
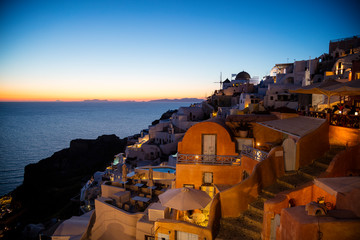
221	82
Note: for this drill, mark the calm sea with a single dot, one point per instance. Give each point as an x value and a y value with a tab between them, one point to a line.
31	131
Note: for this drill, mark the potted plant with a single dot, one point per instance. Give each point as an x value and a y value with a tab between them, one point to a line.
243	129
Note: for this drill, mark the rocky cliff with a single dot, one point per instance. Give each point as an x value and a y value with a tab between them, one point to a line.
50	184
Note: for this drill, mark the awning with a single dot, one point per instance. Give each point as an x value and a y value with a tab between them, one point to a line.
331	88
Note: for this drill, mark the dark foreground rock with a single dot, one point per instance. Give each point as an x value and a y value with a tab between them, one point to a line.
50	184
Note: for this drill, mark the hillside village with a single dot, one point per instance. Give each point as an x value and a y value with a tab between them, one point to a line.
277	158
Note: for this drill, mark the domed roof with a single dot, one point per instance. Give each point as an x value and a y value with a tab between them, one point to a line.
242	75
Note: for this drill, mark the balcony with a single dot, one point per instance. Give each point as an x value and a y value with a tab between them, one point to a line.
208	159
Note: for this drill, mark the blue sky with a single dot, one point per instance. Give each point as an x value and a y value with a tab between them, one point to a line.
73	50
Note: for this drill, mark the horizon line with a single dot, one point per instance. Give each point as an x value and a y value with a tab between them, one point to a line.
104	100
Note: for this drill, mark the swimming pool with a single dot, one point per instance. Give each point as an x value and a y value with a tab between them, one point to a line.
165	170
161	169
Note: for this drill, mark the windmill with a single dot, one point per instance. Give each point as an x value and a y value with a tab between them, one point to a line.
221	82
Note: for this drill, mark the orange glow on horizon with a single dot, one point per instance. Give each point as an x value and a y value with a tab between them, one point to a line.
50	91
47	97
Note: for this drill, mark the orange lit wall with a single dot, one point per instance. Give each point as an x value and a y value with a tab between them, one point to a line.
236	199
302	196
344	136
227	175
312	145
295	224
169	227
298	225
193	174
346	163
248	164
265	135
222	174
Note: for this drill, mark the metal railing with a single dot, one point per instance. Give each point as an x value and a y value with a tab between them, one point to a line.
254	153
349	121
208	159
341	120
316	114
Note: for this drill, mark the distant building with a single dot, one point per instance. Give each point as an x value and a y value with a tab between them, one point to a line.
344	46
229	95
287	77
246	99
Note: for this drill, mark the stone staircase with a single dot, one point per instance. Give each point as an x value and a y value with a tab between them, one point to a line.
249	225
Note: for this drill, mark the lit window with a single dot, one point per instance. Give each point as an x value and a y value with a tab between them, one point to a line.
208	177
357	75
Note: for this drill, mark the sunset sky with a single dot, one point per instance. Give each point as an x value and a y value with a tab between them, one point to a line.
141	50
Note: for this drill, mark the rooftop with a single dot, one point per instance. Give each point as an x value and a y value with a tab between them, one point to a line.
296	126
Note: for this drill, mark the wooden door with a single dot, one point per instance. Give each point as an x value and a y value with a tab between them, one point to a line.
209	144
209	147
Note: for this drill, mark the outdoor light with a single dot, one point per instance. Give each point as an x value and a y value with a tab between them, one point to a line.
340	112
197	156
257	144
356	113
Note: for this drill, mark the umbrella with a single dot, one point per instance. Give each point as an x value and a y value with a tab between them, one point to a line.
332	88
184	199
124	173
318	88
351	88
150	182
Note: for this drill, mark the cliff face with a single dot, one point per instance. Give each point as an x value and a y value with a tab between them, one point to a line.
50	184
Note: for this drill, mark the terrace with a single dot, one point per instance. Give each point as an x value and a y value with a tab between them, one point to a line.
340	120
132	196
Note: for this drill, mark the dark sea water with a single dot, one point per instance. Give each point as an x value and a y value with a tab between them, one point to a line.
31	131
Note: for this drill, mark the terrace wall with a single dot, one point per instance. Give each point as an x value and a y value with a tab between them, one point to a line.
346	163
312	145
113	223
344	136
236	199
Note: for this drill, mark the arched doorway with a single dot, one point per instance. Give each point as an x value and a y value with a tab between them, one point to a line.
289	154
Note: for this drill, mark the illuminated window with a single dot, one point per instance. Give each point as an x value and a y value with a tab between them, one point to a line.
357	75
208	177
